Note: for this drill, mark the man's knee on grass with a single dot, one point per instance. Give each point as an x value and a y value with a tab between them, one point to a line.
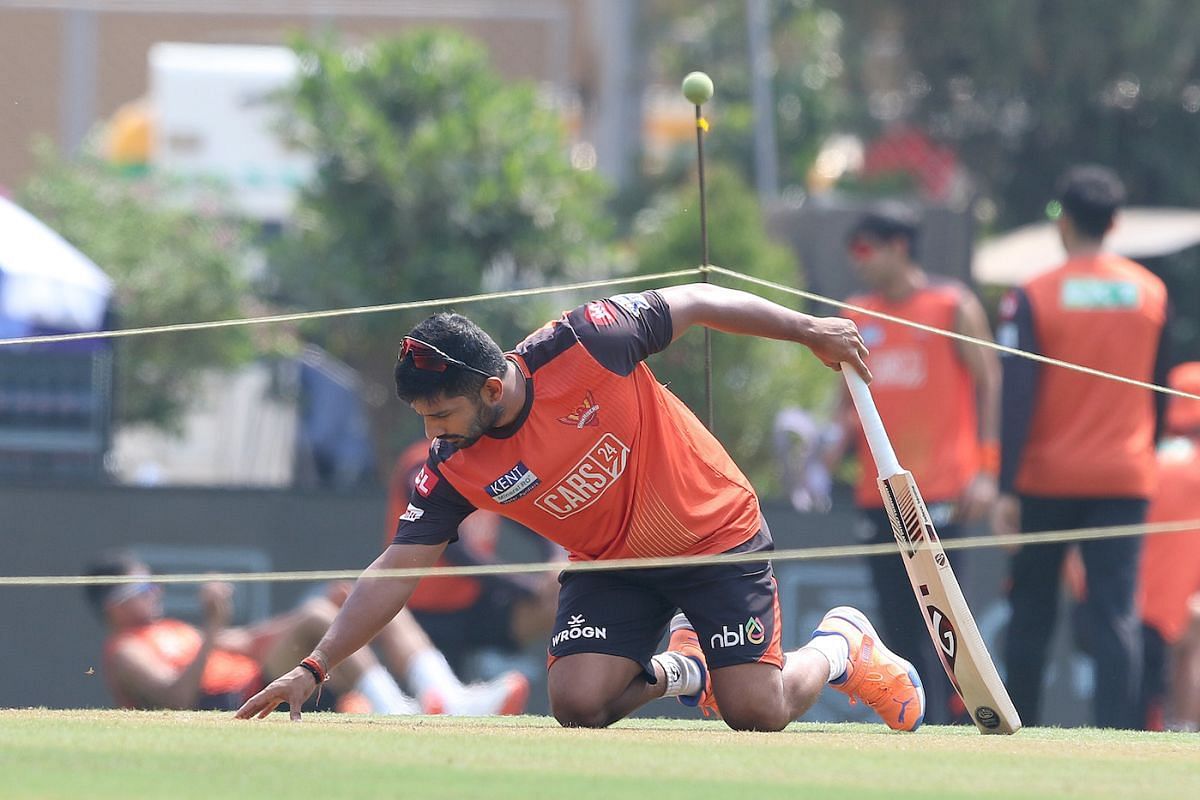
580	707
751	697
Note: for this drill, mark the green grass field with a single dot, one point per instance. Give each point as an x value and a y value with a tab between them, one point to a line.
103	754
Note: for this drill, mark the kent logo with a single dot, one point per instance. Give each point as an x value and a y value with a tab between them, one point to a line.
513	485
588	479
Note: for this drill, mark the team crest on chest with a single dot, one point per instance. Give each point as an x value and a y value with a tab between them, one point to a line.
586	414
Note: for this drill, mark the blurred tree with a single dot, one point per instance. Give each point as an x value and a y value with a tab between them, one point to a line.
168	265
807	88
752	378
434	178
1025	88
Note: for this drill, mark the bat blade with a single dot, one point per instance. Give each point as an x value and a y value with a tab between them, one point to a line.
947	616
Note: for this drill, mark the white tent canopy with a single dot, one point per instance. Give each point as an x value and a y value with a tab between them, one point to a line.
1017	256
45	283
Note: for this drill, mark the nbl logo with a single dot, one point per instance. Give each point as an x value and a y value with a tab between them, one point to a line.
751	631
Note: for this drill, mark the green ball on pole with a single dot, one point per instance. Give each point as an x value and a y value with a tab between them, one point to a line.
697	88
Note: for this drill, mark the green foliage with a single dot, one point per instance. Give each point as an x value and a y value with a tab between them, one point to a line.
168	264
752	378
806	85
435	178
1023	89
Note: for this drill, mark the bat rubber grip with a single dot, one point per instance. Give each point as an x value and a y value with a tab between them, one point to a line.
877	438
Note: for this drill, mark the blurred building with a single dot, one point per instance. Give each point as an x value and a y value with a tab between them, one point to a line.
69	64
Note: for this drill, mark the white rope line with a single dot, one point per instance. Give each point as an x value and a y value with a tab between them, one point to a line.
344	312
478	298
797	554
962	337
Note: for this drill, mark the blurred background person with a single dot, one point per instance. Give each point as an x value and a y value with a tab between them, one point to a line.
1169	581
465	616
1078	451
939	399
152	661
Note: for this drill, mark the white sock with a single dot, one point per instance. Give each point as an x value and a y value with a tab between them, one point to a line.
429	672
683	673
383	694
835	649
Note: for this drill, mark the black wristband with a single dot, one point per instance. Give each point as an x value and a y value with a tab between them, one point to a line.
312	671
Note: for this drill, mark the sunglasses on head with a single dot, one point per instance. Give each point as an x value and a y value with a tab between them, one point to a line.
430	359
128	591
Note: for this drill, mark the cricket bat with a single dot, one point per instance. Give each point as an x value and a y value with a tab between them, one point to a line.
947	617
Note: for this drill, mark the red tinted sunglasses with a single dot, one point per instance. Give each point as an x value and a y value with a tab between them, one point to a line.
862	249
430	359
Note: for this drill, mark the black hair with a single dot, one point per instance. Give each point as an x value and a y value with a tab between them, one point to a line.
459	337
121	562
886	223
1090	195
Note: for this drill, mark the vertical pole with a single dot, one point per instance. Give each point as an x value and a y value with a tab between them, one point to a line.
701	125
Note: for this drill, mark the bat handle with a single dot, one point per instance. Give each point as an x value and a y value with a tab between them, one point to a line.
877	438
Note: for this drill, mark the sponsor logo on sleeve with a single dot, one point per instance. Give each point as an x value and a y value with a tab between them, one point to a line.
587	413
1008	305
425	481
412	514
599	313
595	473
513	485
635	304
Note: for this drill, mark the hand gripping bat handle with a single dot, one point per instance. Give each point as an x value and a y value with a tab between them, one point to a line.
877	438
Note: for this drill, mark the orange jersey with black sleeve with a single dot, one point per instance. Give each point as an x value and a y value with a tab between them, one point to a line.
446	593
602	459
924	391
1065	433
176	644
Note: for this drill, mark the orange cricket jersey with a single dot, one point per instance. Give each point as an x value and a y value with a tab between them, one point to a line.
602	460
176	644
1090	436
1170	568
924	392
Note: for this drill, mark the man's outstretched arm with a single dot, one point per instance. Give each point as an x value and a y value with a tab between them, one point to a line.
371	605
832	339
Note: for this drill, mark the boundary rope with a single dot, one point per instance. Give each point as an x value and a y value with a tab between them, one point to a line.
796	554
343	312
478	298
840	551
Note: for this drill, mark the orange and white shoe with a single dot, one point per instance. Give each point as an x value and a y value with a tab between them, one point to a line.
505	695
685	642
877	676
